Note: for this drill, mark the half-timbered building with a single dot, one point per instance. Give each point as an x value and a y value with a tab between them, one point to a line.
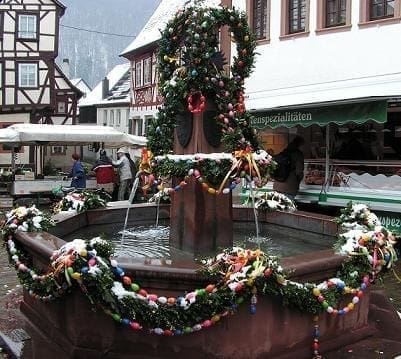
33	89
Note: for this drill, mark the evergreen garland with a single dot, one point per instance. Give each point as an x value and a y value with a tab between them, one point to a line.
191	70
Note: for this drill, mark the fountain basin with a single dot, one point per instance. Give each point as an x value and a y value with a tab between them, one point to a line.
69	328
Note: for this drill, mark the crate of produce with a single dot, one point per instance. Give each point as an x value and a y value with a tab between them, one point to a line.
6	202
29	176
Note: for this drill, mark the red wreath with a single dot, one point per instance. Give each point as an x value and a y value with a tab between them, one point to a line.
196	102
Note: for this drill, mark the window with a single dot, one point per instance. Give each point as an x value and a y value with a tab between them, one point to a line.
61	107
380	9
259	18
138	126
332	14
138	74
27	26
105	118
28	75
118	115
58	150
147	71
127	120
297	16
336	11
148	120
112	118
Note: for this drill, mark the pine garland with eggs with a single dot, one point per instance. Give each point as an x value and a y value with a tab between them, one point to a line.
191	70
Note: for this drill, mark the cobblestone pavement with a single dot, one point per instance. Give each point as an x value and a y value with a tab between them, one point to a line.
10	294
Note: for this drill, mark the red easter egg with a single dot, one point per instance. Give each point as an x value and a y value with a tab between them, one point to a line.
210	288
143	293
127	281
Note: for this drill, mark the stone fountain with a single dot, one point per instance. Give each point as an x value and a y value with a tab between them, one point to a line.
200	223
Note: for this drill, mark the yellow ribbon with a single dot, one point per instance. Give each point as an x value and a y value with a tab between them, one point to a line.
239	157
146	157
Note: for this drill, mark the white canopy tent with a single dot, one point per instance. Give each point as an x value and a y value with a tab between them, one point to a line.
52	135
40	135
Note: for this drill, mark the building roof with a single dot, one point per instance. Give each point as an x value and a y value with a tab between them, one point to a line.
114	76
344	91
60	72
57	2
81	84
121	90
157	22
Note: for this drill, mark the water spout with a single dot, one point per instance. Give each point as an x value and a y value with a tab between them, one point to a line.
255	214
130	199
157	210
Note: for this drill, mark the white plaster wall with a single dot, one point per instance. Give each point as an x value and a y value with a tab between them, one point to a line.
47	43
8	42
123	127
323	58
9	96
48	26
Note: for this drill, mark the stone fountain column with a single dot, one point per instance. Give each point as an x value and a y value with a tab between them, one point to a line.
200	222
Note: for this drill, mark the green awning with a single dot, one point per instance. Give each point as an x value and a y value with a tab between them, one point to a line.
357	113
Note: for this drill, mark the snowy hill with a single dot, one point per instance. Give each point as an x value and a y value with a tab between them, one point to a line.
93	55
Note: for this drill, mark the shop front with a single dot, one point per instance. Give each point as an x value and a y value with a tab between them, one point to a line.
352	152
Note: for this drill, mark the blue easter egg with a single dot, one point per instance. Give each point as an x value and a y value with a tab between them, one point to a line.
125	321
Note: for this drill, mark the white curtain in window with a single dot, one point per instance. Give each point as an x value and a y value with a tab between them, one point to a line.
27	26
28	75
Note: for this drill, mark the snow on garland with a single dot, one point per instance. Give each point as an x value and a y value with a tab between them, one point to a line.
218	173
27	219
82	200
236	274
361	233
274	201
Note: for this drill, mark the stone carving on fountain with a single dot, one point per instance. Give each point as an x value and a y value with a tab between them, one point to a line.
200	223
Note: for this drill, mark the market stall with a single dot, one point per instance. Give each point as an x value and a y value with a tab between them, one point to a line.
352	152
32	182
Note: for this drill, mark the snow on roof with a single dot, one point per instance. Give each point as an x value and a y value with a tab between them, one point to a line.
95	96
81	84
120	92
157	22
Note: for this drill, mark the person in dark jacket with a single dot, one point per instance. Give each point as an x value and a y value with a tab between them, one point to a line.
105	177
290	186
77	173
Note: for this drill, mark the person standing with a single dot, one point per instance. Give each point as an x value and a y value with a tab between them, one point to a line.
77	173
124	170
290	185
105	177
